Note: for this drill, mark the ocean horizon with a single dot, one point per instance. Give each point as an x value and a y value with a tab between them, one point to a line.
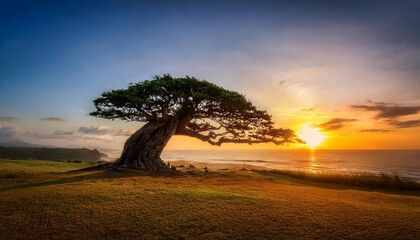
405	163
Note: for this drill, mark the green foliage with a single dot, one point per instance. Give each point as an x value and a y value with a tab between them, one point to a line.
204	110
168	96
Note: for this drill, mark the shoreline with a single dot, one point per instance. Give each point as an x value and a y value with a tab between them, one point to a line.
215	166
376	181
402	162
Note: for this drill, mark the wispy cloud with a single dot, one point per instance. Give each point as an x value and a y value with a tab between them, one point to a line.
53	119
405	124
8	131
335	124
54	135
103	130
391	113
64	133
388	110
10	118
375	130
98	133
123	132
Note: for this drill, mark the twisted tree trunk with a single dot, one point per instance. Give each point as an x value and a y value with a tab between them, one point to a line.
142	149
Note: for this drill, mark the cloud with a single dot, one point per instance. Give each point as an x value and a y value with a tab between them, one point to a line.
53	119
104	130
377	103
123	132
335	123
284	81
9	118
390	113
98	133
404	124
8	131
307	109
388	110
54	135
68	135
63	133
97	137
375	130
101	130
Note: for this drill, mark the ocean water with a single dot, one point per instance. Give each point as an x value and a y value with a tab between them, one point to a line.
403	162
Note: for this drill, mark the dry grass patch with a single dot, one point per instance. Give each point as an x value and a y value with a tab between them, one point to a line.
382	181
57	204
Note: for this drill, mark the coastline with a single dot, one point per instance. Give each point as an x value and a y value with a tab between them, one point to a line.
405	163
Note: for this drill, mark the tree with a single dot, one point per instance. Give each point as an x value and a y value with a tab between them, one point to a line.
184	106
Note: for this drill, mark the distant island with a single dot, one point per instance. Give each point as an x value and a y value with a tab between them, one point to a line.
46	153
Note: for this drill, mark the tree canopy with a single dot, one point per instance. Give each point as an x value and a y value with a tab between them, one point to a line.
202	110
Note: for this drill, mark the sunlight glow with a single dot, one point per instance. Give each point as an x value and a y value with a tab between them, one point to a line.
312	136
313	164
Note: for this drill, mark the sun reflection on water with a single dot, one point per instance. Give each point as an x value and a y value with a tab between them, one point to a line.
313	163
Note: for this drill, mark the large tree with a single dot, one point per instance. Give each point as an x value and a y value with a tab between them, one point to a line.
184	106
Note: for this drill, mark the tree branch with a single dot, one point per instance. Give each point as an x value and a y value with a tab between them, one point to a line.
209	137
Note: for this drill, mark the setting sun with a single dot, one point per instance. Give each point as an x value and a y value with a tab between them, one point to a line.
312	136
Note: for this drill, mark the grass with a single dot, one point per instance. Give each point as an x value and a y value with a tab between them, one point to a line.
49	200
383	181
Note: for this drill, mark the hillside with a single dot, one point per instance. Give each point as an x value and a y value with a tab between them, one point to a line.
65	154
19	143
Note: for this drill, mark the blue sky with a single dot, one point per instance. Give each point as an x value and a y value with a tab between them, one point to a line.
57	56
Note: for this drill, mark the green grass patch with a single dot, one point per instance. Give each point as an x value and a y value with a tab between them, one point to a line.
39	165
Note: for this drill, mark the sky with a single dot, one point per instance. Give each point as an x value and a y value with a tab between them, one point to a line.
350	69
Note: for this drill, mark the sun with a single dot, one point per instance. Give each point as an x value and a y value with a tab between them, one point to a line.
312	136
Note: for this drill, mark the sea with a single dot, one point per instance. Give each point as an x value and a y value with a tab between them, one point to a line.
405	163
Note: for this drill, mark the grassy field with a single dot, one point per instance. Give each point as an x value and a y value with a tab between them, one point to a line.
49	200
382	181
